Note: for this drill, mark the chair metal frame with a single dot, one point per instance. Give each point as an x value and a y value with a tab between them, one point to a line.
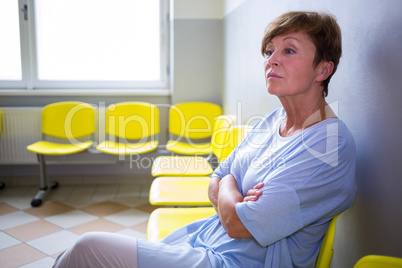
67	121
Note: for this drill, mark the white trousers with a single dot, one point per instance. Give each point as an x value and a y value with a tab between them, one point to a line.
100	250
109	250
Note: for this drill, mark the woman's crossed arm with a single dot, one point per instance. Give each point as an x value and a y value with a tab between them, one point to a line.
224	195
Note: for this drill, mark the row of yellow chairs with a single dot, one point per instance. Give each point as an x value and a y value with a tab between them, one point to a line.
186	183
131	128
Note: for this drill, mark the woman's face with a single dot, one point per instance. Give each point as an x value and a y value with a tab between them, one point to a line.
288	65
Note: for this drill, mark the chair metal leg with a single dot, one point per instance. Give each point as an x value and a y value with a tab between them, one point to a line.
2	185
37	200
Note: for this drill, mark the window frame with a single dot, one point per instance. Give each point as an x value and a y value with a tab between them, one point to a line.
30	82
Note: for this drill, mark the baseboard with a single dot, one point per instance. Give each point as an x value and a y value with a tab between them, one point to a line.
80	179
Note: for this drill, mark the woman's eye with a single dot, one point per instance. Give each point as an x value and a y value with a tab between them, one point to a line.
268	53
289	51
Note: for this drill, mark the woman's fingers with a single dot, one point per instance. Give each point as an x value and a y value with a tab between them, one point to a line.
259	185
250	198
253	194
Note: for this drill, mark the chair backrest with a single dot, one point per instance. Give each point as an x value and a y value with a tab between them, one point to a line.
219	136
68	120
235	135
193	120
326	252
132	120
378	261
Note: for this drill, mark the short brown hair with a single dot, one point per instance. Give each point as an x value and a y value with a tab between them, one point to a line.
323	30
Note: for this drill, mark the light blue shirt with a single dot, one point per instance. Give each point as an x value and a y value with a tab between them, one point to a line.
308	179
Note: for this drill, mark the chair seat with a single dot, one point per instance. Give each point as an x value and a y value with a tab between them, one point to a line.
163	221
117	148
51	148
180	191
189	149
376	261
181	166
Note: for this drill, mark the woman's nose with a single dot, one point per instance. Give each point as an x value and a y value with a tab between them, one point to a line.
273	60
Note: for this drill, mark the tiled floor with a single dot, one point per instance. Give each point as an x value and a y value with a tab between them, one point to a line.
33	237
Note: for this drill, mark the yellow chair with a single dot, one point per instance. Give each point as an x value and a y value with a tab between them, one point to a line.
378	261
135	125
220	136
326	252
2	184
163	221
70	125
194	165
236	134
191	127
180	191
193	191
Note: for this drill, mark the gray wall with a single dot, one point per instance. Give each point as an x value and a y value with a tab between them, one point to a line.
197	60
366	89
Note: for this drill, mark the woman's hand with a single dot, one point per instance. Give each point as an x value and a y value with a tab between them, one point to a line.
253	194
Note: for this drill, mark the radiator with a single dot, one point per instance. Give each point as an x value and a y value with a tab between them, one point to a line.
20	127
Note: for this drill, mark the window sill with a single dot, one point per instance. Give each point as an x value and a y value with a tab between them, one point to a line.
85	92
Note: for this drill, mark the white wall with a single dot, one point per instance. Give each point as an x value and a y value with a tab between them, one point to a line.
367	90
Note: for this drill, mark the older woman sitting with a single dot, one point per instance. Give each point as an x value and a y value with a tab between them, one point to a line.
277	192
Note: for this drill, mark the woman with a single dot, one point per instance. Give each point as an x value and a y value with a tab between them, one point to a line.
277	192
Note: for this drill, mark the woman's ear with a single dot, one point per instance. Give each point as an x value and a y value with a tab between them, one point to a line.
326	68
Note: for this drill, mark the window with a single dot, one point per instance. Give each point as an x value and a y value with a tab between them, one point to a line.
91	44
10	63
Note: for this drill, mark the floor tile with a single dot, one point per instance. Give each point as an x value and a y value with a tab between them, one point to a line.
145	187
7	241
81	196
147	207
141	227
19	255
128	217
129	194
105	192
15	219
45	262
12	194
29	231
48	209
71	219
23	199
61	194
132	233
100	225
54	243
5	209
105	208
42	233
